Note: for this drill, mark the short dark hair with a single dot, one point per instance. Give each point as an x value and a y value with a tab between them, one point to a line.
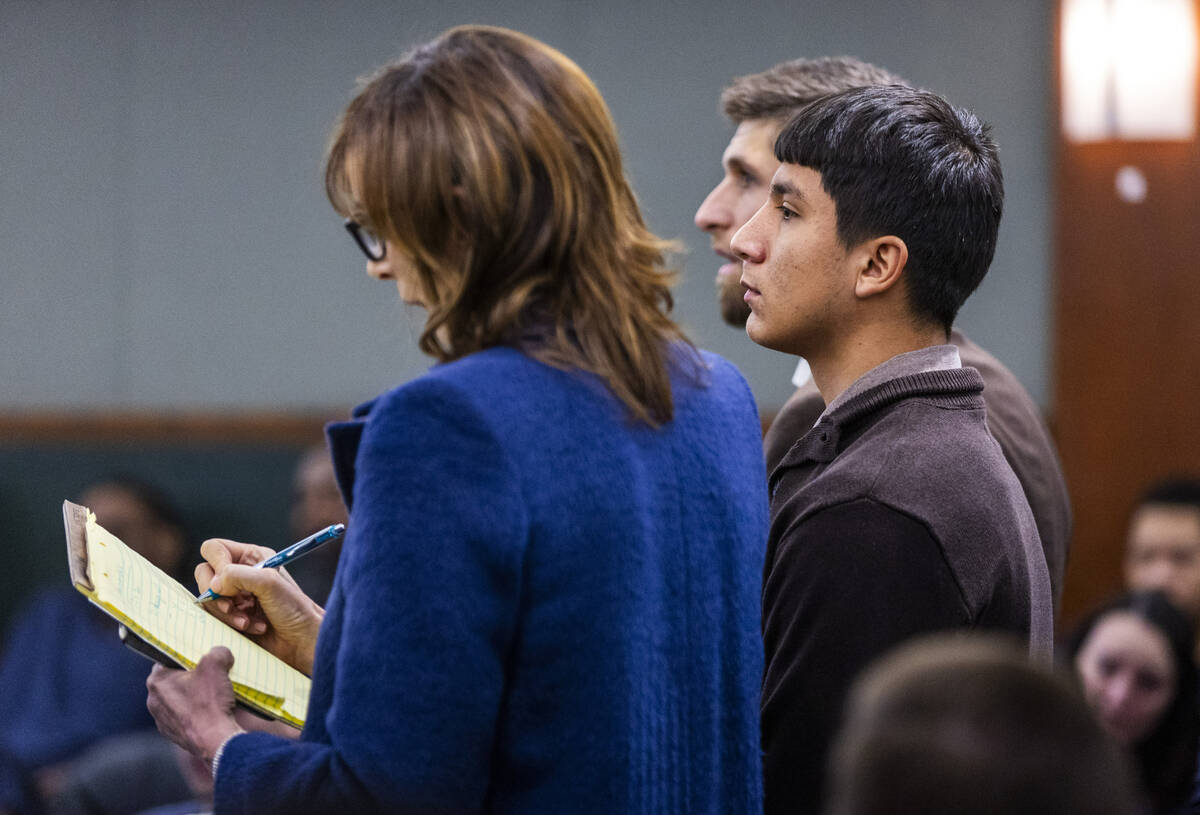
1166	757
967	723
1182	491
905	162
780	91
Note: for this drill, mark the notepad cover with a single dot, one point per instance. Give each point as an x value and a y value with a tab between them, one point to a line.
163	613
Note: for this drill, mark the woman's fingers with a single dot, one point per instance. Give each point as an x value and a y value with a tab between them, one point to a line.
221	552
250	586
217	553
204	575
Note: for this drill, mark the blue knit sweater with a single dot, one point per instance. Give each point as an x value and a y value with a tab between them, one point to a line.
541	606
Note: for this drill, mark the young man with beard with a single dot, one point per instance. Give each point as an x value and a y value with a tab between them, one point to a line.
897	514
760	104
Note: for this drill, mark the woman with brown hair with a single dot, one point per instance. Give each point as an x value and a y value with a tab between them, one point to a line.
1133	659
547	599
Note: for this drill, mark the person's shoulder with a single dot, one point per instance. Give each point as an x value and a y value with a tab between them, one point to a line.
908	454
932	429
973	355
798	494
491	367
707	369
446	394
942	466
55	599
704	383
501	393
712	361
1002	389
804	406
49	607
797	416
490	373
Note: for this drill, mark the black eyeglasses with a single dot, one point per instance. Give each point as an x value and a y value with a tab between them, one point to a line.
371	244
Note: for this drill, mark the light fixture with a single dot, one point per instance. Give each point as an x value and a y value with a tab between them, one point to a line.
1129	70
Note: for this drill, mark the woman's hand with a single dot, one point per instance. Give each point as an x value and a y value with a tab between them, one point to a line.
252	722
194	708
264	604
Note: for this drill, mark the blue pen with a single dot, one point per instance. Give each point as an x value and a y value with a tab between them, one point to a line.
297	550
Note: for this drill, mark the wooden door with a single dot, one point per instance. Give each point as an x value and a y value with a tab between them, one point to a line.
1126	407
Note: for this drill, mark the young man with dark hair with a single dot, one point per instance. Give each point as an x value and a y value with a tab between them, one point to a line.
896	514
1162	549
760	104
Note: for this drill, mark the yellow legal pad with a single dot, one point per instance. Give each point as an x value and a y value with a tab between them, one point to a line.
163	614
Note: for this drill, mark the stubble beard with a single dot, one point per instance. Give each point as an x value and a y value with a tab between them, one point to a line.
730	301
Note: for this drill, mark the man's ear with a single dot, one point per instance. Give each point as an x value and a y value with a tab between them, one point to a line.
882	260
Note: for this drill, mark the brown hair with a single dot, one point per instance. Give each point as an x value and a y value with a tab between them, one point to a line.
953	723
780	92
491	161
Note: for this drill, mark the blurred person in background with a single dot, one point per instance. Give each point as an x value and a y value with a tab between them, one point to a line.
66	680
1162	547
968	725
1133	658
316	503
126	774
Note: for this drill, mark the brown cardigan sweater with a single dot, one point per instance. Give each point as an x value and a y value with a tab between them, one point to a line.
895	516
1013	420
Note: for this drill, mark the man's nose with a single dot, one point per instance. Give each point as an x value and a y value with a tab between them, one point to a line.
747	245
713	213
